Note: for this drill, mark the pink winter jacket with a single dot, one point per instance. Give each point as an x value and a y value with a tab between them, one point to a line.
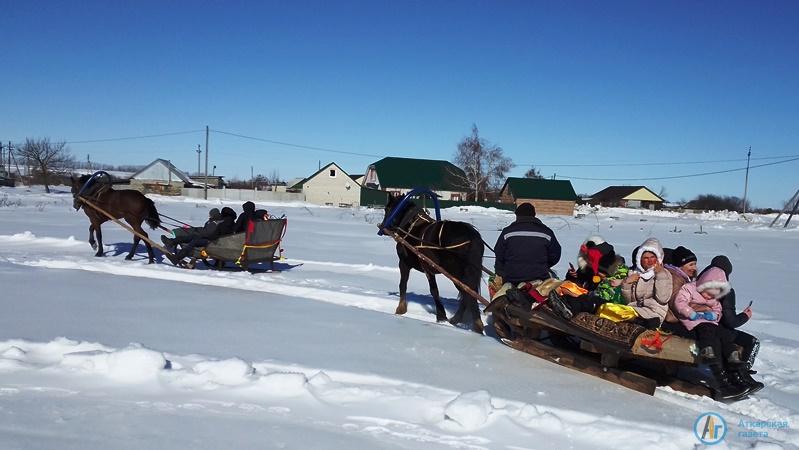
692	293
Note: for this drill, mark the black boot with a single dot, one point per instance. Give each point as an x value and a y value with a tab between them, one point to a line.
723	388
736	379
745	376
559	306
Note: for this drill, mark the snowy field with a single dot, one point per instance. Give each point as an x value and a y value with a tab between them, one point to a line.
105	353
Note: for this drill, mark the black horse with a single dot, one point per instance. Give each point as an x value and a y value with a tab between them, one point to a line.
130	205
455	246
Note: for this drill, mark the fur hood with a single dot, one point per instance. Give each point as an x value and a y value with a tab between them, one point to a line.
713	278
649	245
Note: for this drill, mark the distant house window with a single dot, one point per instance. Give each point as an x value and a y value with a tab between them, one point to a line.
455	197
332	173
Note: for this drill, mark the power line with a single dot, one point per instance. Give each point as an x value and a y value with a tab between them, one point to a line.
127	138
667	163
306	147
678	176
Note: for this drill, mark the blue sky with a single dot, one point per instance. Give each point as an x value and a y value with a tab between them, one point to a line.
550	82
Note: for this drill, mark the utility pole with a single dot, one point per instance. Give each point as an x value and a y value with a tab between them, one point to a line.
89	162
10	153
205	185
252	179
198	159
746	180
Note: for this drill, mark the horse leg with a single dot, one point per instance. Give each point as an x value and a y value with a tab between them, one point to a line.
458	316
99	233
92	242
137	227
132	252
405	273
477	321
441	314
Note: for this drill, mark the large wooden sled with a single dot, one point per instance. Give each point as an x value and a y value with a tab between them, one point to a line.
260	246
623	353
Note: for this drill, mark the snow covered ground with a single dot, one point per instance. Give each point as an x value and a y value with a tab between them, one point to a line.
108	353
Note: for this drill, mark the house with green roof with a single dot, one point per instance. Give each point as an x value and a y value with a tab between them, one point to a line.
400	175
330	186
550	197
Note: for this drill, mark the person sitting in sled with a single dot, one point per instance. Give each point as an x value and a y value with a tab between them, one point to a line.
681	262
195	237
247	216
228	221
648	288
731	320
586	275
716	346
526	249
601	269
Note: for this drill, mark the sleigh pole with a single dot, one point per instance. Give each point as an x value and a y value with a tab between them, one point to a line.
125	226
434	265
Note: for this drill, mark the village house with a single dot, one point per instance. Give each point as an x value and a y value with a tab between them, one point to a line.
550	197
330	186
398	176
627	197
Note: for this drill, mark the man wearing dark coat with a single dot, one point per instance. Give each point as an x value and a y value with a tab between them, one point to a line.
526	249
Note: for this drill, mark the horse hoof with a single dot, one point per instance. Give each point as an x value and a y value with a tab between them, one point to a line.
129	257
94	246
441	318
478	328
401	309
99	255
152	261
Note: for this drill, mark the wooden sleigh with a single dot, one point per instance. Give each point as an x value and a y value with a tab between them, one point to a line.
261	245
620	352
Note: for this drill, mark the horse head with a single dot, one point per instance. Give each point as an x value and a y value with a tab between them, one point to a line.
77	185
391	212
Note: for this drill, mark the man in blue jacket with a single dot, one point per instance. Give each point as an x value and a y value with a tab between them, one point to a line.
526	249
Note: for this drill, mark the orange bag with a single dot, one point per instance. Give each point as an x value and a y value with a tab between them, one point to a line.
571	289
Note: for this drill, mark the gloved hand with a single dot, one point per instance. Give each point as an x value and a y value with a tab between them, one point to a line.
711	316
694	315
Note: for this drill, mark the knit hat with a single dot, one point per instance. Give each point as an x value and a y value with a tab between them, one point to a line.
667	255
607	263
525	210
248	207
681	256
723	263
582	255
228	212
214	214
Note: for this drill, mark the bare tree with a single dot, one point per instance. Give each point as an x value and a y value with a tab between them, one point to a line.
484	164
663	192
533	173
48	158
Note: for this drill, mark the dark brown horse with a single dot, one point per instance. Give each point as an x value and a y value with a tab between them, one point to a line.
455	246
130	205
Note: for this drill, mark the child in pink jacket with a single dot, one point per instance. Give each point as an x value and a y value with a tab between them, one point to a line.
713	340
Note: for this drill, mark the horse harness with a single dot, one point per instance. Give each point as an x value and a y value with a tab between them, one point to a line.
96	193
425	221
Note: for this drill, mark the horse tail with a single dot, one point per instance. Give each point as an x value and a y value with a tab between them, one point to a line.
153	219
